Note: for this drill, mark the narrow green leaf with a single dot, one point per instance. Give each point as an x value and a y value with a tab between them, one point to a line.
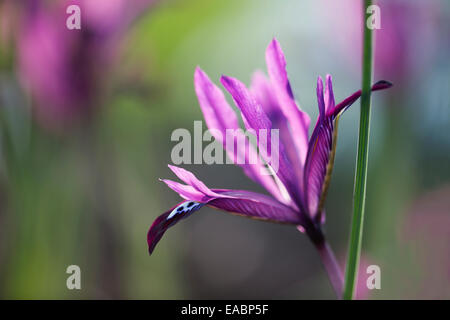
359	194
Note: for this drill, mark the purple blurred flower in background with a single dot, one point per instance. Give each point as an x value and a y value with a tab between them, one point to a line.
65	69
426	237
398	53
405	44
299	186
7	22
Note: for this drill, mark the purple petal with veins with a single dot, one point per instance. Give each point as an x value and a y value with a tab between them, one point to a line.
257	119
329	96
299	120
318	154
189	178
265	95
321	141
347	102
239	202
220	116
254	205
187	192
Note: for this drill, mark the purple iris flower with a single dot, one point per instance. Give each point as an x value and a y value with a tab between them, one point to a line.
298	188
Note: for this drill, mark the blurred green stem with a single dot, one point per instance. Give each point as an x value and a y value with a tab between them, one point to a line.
105	209
359	194
331	266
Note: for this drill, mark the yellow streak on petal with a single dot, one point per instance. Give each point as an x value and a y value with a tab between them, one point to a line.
330	165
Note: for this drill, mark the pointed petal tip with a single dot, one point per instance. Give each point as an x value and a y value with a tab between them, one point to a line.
199	74
228	82
385	83
156	231
329	95
319	86
174	168
329	81
177	170
202	82
274	42
382	84
224	78
320	97
319	80
274	50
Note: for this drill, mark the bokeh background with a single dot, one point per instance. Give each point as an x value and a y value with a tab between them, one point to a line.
87	115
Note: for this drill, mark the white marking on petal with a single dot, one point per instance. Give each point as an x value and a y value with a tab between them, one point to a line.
284	193
188	206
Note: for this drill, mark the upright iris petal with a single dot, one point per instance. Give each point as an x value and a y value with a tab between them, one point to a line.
319	149
329	96
220	117
257	120
264	92
298	119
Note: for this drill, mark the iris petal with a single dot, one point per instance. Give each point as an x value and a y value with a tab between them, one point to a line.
264	93
221	117
298	119
321	143
239	202
167	220
257	120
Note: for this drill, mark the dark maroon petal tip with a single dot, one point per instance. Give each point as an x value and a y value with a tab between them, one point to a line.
157	231
347	102
382	84
168	219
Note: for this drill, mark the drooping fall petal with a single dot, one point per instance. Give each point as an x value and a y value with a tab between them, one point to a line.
248	203
168	219
239	202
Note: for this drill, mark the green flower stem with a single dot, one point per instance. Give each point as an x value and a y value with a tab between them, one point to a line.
359	194
331	266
